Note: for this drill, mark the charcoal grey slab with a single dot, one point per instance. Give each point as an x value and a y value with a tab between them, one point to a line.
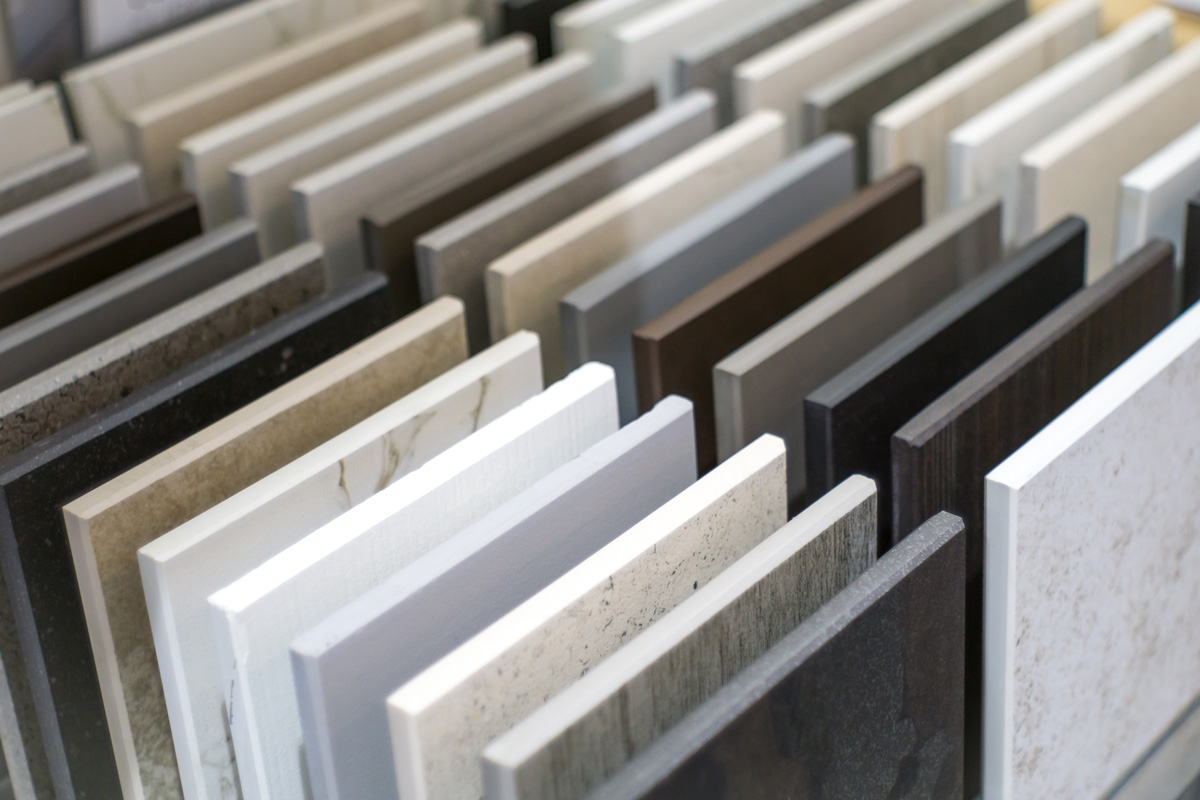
1191	254
44	176
34	485
599	317
848	101
862	701
346	667
54	334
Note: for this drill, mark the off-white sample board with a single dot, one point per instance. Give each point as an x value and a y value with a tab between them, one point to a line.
11	91
32	126
589	26
1155	194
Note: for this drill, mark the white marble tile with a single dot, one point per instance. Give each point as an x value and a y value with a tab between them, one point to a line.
589	25
32	126
328	204
1155	194
262	181
257	617
1093	580
983	152
525	285
913	130
183	567
442	719
346	667
207	156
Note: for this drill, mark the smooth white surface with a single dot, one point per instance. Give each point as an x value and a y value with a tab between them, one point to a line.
32	126
589	25
1155	194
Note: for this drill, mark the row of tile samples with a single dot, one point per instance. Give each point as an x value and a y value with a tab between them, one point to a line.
541	400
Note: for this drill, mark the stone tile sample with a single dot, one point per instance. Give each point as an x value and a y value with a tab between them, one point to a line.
848	101
452	258
296	589
11	90
40	283
262	181
44	176
532	17
588	25
1113	618
107	525
524	285
45	225
877	664
780	76
207	156
112	369
1169	768
70	326
1191	254
1154	196
203	555
599	317
941	456
33	127
389	635
984	152
760	387
584	735
329	202
850	419
1077	169
913	130
676	352
390	229
442	719
36	557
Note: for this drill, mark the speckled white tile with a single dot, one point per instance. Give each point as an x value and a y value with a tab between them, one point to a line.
257	617
1093	580
1155	194
203	555
589	25
442	719
32	127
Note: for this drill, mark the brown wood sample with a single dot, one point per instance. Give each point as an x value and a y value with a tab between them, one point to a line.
676	353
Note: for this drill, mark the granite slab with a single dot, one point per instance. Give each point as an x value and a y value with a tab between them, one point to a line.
599	317
302	585
585	734
69	326
525	285
206	156
390	229
442	719
877	664
1078	168
983	153
86	383
913	129
1113	618
850	419
452	258
392	633
40	283
106	526
34	552
532	17
588	25
1191	254
328	203
203	555
262	182
941	456
46	225
32	127
760	387
44	176
848	101
675	353
1154	196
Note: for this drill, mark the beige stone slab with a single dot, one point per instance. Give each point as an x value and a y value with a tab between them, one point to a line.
262	182
207	156
108	525
31	127
524	286
156	130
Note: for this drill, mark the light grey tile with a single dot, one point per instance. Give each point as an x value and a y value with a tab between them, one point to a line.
44	176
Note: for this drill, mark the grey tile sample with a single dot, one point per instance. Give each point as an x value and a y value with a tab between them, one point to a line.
34	485
44	176
1169	768
863	700
346	667
70	326
452	258
599	317
848	101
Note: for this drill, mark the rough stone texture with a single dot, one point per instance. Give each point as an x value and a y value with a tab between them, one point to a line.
44	176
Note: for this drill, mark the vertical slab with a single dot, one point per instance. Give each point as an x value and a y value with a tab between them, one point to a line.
33	127
1154	196
439	720
1112	618
588	25
676	353
1191	254
44	176
533	17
